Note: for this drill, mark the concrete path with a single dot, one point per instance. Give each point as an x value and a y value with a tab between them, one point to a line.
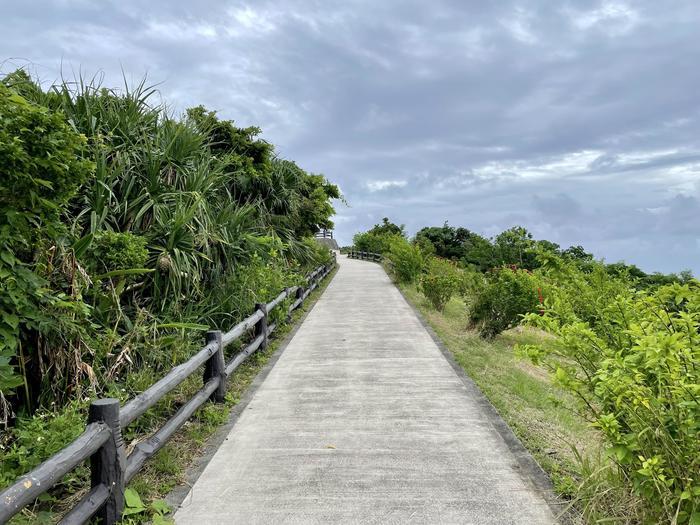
363	420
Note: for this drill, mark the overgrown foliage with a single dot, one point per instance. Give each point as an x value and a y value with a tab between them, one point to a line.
121	225
633	361
379	238
42	161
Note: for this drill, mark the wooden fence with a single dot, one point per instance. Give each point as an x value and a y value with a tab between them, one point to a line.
324	234
101	442
365	256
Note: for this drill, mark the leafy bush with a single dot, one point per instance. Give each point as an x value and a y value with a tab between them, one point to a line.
440	282
470	284
379	238
578	294
318	253
500	305
406	260
42	168
635	366
373	242
234	295
114	251
41	160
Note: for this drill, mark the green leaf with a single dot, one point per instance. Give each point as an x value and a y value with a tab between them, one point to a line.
17	99
82	244
133	510
561	374
160	520
11	319
620	452
8	258
44	183
160	506
133	500
694	519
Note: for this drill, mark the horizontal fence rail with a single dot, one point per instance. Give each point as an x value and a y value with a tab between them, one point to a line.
365	256
324	234
101	442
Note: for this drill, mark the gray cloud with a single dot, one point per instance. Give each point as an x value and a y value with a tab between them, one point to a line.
577	119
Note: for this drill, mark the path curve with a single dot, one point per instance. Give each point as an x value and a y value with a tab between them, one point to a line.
363	420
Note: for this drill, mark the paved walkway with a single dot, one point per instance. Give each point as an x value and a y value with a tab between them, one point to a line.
363	420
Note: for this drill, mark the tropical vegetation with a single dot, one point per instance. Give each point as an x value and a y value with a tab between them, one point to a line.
125	231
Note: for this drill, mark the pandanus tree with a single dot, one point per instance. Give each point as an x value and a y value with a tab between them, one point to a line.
172	208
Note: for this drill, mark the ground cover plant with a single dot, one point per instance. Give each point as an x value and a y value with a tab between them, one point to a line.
125	232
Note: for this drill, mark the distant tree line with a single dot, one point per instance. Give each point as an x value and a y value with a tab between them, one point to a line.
514	247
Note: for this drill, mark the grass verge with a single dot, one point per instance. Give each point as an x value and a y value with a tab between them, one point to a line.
534	408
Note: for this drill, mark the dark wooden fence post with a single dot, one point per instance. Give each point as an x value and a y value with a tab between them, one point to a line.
261	326
215	366
289	312
108	464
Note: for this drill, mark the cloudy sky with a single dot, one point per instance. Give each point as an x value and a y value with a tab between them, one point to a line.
577	119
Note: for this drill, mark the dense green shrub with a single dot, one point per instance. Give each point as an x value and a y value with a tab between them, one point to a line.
446	241
578	294
114	251
42	168
508	295
635	366
471	282
379	238
42	163
318	253
440	282
406	260
373	242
